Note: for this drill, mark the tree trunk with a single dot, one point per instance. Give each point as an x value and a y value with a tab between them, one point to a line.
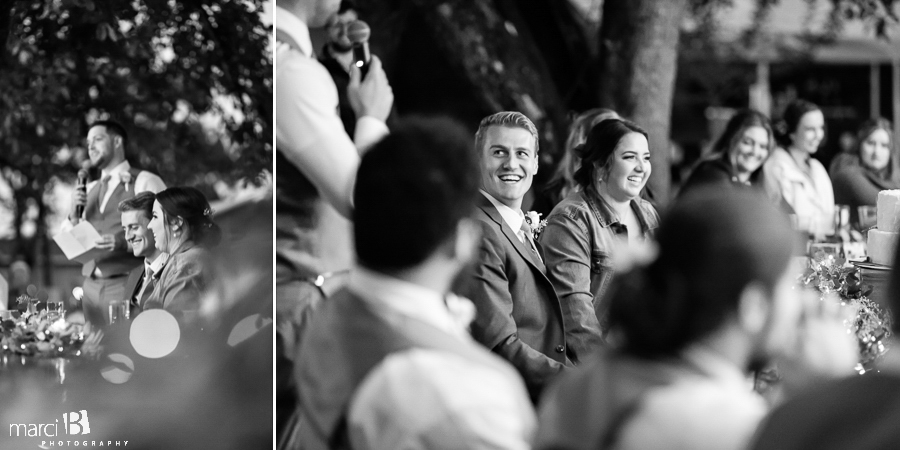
638	56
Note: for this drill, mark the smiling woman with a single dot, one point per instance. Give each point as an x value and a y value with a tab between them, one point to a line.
738	155
584	229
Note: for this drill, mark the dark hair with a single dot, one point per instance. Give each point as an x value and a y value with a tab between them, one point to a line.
867	128
712	244
412	189
734	130
190	204
140	202
114	128
600	145
791	119
347	5
563	181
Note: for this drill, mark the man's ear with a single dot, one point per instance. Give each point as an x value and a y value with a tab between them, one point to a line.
754	306
468	235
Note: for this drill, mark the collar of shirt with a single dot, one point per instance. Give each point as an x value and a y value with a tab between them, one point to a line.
295	28
512	217
115	172
157	264
608	217
393	295
716	366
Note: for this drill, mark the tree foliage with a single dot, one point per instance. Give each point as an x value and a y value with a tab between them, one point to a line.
191	82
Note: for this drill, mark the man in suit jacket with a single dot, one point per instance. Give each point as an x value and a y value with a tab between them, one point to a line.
519	315
387	362
136	213
106	275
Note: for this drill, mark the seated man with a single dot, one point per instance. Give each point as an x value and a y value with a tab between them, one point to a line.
136	214
519	315
386	363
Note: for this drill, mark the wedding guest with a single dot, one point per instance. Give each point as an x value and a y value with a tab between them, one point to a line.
105	276
792	175
387	363
136	214
316	163
858	177
688	325
337	57
584	230
182	227
738	155
519	315
858	412
562	183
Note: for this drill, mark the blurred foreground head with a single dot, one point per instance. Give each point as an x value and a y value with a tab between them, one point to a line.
414	193
722	255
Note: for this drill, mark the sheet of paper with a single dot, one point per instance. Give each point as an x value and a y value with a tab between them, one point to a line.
79	243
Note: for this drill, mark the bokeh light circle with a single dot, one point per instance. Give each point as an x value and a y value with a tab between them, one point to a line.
154	333
119	370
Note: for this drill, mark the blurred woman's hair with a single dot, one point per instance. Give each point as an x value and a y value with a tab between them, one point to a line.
790	120
597	151
713	243
191	205
737	125
562	182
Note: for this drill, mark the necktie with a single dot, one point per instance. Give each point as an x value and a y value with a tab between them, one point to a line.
526	235
148	278
104	186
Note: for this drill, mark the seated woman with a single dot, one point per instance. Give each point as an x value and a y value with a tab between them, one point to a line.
795	178
859	176
584	229
738	155
183	227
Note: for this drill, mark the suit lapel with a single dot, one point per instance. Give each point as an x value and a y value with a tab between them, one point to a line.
511	236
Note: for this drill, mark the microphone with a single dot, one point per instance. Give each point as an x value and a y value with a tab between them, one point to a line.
358	33
81	186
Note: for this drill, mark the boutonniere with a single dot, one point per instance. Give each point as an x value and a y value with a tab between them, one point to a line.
534	220
126	178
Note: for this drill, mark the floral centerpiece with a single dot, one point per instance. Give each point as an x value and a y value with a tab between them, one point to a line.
838	282
45	335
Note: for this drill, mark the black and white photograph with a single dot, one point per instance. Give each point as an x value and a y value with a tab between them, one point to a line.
136	172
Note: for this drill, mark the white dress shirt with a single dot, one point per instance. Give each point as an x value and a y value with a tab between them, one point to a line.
309	131
514	219
145	181
719	411
425	398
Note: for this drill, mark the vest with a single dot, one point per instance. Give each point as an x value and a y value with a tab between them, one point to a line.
345	341
116	262
311	238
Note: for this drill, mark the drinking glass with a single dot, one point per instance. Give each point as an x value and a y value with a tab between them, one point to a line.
868	216
55	310
119	311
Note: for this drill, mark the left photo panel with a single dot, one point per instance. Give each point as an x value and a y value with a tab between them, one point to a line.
136	231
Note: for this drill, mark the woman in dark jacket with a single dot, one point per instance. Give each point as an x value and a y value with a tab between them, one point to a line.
858	177
738	155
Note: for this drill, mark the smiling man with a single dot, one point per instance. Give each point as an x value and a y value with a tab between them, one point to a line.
519	315
136	214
